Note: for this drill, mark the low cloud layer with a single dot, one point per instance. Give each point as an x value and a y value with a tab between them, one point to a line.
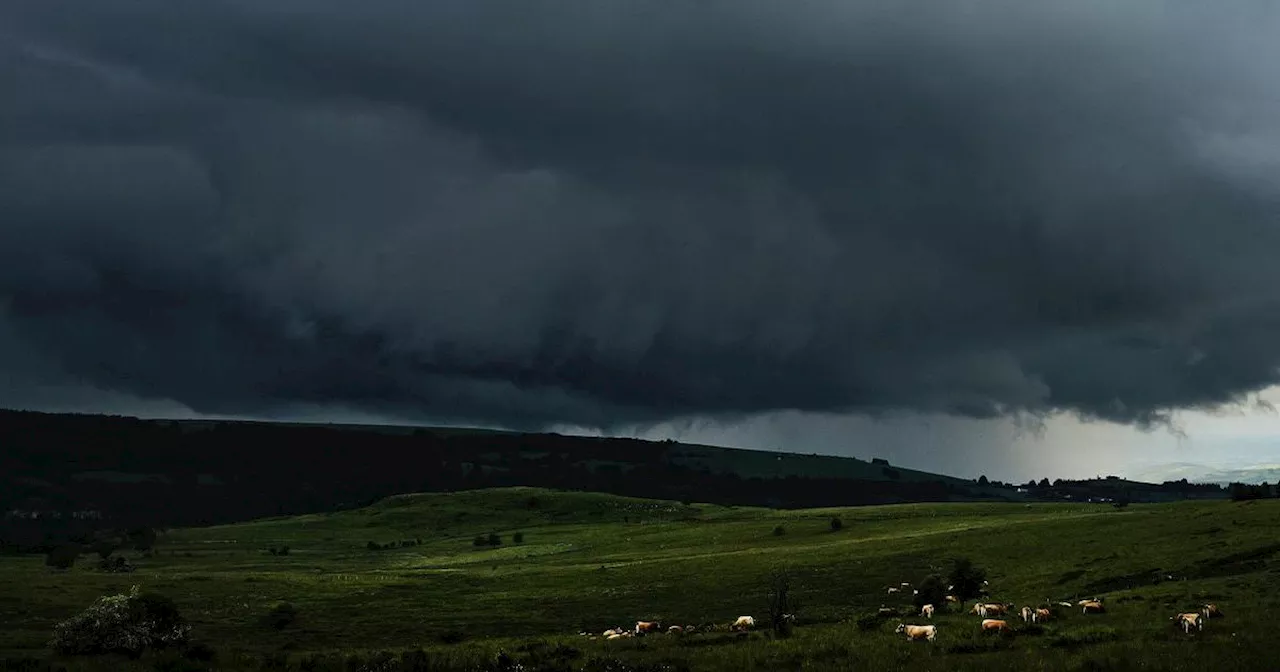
609	213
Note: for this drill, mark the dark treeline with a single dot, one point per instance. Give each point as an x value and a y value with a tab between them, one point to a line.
63	476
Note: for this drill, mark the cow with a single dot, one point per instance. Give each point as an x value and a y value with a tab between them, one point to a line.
690	628
1092	607
1211	611
1067	605
1189	620
616	635
646	627
612	631
976	609
1027	614
1081	603
891	591
995	625
743	623
917	632
675	630
927	611
1040	615
789	618
905	584
993	609
884	611
953	599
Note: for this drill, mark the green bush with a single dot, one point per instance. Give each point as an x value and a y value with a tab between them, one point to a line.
281	615
127	624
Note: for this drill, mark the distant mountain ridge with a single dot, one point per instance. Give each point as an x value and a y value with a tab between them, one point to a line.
198	472
1200	473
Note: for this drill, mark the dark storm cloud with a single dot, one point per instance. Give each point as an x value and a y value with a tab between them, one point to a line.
611	212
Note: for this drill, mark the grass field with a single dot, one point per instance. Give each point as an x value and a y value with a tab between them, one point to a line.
590	562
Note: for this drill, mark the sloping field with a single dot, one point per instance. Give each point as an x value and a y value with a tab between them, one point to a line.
590	562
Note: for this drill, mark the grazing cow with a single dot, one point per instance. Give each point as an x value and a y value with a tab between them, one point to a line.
612	631
1027	614
646	627
690	629
952	599
1211	611
905	584
789	618
1040	615
993	609
995	625
927	611
915	592
1067	605
1081	603
891	591
918	632
616	635
1188	621
743	623
675	630
1093	607
977	609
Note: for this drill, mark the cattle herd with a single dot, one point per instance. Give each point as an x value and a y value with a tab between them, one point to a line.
994	616
994	619
642	628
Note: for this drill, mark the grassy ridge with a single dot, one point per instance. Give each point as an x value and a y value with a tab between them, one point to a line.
594	561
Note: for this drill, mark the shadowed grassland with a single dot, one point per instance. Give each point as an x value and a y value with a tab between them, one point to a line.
590	562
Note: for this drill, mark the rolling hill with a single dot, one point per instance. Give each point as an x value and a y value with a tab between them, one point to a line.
589	561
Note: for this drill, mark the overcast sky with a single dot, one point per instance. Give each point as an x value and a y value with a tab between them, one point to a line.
900	228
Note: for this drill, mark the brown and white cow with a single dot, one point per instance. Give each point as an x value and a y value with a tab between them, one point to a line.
1027	614
1188	621
1092	607
647	627
1040	615
743	623
918	632
1211	611
996	625
927	611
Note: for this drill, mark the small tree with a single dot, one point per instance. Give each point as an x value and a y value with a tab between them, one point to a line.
62	556
982	480
932	590
966	579
781	605
517	538
836	525
480	540
494	539
779	531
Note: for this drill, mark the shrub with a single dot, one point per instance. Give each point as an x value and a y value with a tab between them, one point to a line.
116	565
837	524
779	531
281	615
104	549
780	602
480	540
932	590
494	540
373	546
63	556
967	579
517	538
126	624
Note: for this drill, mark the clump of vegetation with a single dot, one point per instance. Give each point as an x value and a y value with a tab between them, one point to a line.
781	604
494	539
966	578
63	556
932	590
517	538
837	524
480	540
281	615
282	550
779	531
116	565
128	623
